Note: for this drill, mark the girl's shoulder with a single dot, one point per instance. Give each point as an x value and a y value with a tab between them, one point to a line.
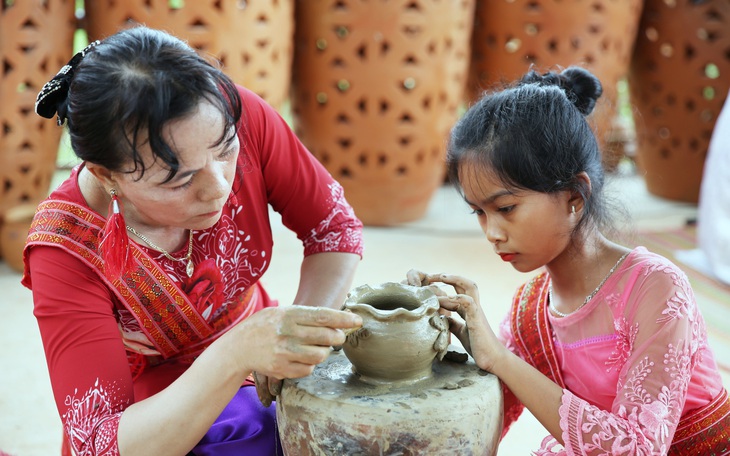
650	262
649	273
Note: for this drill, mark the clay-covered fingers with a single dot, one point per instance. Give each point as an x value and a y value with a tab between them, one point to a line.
462	304
461	285
319	325
263	388
416	278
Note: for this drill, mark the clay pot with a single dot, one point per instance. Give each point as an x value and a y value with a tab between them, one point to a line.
36	40
458	411
680	76
14	232
510	36
401	335
375	90
252	39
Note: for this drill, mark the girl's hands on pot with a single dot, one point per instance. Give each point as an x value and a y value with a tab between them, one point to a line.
473	329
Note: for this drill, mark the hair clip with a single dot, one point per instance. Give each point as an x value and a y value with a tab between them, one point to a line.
56	90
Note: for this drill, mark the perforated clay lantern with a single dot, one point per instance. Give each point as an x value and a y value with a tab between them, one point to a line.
375	90
251	38
512	36
680	77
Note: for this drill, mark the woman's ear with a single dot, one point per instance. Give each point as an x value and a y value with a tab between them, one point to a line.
102	174
581	192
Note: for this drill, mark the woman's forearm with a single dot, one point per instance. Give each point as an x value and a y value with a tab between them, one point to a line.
174	420
326	278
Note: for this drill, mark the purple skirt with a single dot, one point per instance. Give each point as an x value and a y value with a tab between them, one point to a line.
244	427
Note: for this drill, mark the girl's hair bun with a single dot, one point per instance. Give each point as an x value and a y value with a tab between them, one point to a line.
580	85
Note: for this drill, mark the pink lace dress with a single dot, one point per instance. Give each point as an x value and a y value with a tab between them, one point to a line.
634	361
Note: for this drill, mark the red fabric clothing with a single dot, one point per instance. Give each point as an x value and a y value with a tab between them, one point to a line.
89	336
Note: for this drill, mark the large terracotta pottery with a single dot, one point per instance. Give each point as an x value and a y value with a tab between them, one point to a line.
375	91
511	36
36	40
396	390
252	39
680	76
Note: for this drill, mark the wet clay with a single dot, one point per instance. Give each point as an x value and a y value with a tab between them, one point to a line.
396	388
401	335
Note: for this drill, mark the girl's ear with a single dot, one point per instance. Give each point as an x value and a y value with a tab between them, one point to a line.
580	193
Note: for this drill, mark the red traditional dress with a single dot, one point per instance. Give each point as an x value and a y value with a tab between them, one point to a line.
111	343
637	374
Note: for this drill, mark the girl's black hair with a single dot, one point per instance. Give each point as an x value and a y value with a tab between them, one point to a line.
129	86
534	136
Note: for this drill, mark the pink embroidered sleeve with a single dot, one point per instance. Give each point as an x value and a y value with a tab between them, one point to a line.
662	333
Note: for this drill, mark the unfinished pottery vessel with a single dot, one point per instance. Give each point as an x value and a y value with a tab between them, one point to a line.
401	335
395	389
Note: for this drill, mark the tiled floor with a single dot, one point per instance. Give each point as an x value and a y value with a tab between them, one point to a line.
447	239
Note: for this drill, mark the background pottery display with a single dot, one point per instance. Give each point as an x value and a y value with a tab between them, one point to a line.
252	38
511	36
680	77
36	40
375	90
401	335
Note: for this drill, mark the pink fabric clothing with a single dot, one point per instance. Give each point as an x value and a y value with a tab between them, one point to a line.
634	360
85	329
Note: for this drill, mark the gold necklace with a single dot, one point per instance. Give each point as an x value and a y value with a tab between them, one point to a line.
189	268
551	304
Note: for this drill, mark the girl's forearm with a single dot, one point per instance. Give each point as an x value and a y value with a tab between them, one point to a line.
537	392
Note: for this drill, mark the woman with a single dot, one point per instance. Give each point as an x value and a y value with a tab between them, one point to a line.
145	263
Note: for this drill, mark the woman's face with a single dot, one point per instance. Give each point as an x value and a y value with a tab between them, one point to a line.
194	198
527	229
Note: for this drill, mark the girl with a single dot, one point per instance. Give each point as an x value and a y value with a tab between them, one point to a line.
606	346
145	263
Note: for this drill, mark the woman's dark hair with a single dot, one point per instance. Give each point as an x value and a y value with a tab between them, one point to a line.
534	136
129	86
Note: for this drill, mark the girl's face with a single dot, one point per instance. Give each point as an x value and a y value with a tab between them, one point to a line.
527	229
194	198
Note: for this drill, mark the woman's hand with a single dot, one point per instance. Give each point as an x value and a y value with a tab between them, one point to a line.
288	342
473	329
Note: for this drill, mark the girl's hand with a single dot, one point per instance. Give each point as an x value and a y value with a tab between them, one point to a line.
473	329
288	342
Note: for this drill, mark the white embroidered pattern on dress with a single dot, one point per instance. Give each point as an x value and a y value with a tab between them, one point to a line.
327	237
91	423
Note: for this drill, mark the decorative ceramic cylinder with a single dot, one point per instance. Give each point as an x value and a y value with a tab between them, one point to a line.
251	38
13	233
375	91
457	411
680	76
36	40
401	335
510	36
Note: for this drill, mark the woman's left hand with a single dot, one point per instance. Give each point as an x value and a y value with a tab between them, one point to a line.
473	330
267	388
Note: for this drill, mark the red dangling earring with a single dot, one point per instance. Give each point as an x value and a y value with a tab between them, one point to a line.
114	245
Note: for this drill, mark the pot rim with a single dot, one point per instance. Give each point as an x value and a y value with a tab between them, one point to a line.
428	299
